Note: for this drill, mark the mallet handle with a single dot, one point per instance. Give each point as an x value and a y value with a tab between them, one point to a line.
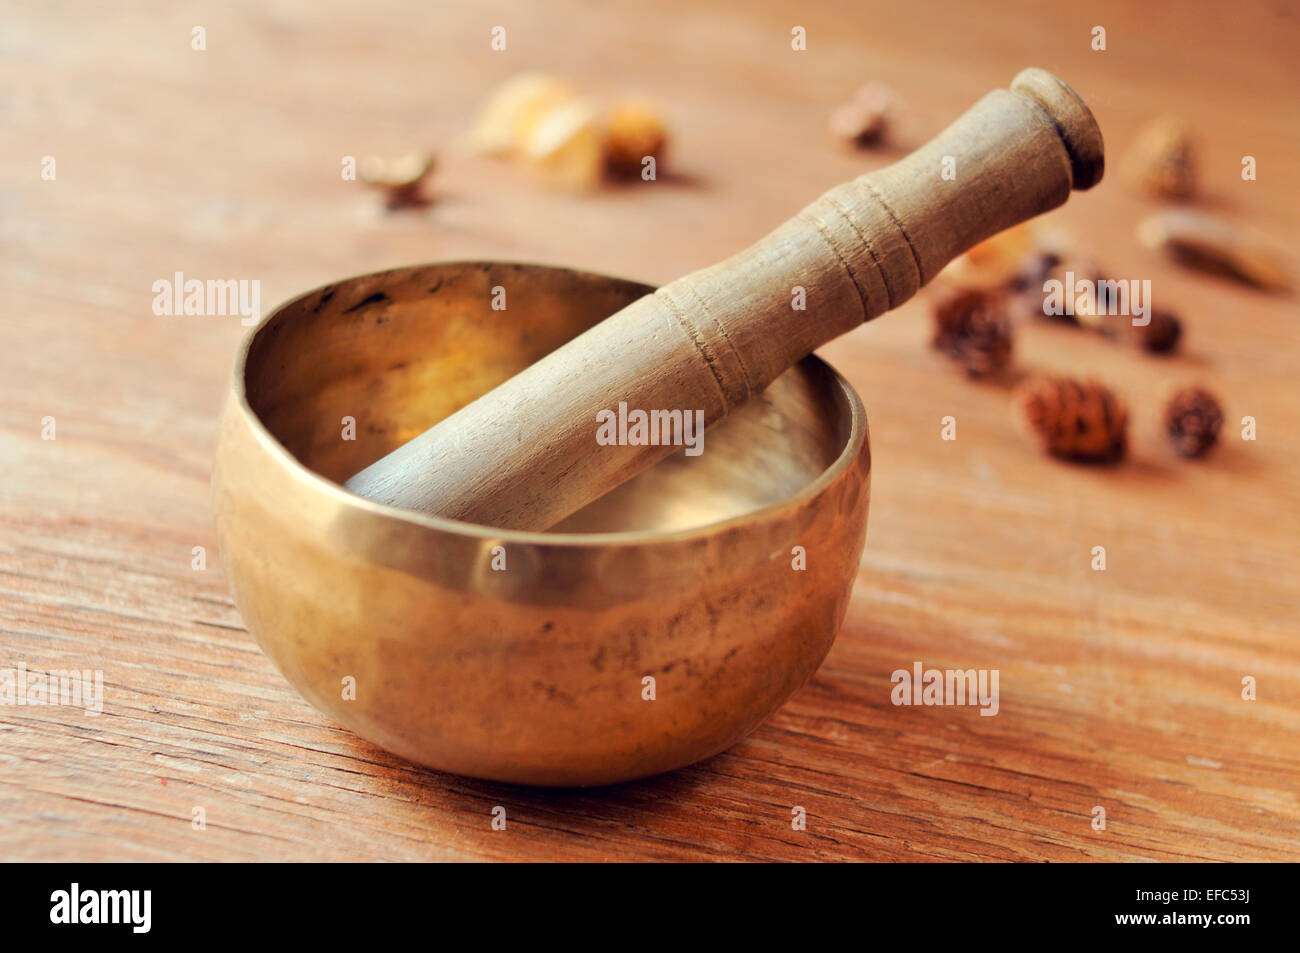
525	455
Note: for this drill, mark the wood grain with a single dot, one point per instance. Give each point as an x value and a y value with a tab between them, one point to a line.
1119	689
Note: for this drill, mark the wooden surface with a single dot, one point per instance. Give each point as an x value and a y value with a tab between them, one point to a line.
1119	689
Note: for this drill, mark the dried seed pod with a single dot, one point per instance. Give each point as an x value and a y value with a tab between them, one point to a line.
402	179
634	131
971	326
1161	335
1210	244
1075	420
1193	418
864	120
1163	159
1033	271
1074	307
567	146
1094	313
1024	289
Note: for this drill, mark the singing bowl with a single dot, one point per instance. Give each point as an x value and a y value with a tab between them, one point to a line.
656	627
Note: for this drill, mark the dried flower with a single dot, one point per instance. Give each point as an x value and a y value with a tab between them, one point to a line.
971	326
401	179
1163	159
634	131
864	120
1075	420
1192	420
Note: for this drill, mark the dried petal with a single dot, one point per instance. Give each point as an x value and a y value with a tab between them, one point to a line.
567	146
864	120
1203	241
512	113
1163	159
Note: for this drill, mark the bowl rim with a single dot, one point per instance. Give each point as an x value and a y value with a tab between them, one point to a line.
853	445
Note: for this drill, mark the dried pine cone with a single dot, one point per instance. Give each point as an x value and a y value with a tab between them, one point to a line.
1192	420
1161	335
971	327
1076	420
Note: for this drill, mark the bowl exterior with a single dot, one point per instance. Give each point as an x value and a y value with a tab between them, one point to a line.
546	659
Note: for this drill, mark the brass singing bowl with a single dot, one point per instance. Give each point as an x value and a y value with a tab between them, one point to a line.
521	656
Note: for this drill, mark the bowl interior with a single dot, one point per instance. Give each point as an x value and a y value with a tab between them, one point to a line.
343	375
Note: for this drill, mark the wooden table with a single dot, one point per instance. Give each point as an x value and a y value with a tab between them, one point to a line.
1119	689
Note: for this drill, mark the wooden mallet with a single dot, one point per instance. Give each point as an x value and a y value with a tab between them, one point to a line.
525	455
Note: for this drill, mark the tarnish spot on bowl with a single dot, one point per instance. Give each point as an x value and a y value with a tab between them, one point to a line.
375	298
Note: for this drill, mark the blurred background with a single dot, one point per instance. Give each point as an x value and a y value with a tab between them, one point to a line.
1119	688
